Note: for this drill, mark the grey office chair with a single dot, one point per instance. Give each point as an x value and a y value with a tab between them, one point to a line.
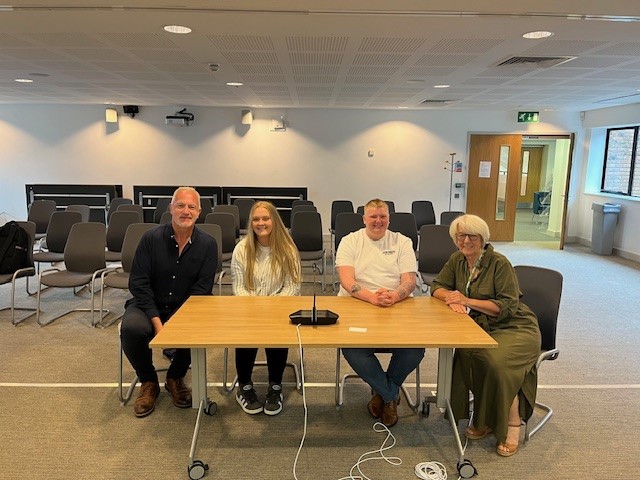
206	207
165	218
435	249
227	224
84	258
133	208
391	205
541	291
338	206
118	277
302	208
235	211
26	271
244	208
116	232
40	213
216	232
301	202
446	218
162	205
114	204
404	223
306	232
84	210
345	224
423	212
57	233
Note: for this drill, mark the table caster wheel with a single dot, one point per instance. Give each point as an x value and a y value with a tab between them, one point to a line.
197	469
211	408
466	469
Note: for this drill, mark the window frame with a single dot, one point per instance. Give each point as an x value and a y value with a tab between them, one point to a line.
634	152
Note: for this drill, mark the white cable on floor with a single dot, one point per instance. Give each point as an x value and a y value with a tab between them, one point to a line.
431	471
377	427
304	404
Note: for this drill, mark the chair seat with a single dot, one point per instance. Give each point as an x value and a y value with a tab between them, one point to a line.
66	279
51	257
428	278
226	256
111	256
23	272
117	280
315	255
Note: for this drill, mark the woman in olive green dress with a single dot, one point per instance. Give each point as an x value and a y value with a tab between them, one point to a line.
481	282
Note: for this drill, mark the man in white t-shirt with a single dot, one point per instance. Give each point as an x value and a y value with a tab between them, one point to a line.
379	266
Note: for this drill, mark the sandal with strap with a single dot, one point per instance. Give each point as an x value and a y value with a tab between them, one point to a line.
505	449
476	433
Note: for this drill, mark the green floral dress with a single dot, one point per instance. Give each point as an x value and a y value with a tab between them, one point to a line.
494	375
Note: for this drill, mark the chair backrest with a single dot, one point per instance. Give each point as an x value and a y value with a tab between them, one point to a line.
244	208
84	251
84	210
40	213
233	210
404	223
59	228
115	203
165	218
228	226
424	213
540	202
206	208
131	241
541	291
117	228
216	232
302	208
339	206
161	206
360	210
446	218
301	202
30	228
345	224
132	208
435	248
391	205
306	231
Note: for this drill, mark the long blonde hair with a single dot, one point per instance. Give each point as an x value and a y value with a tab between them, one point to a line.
285	257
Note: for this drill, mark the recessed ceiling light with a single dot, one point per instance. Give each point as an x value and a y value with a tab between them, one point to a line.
176	29
403	107
23	80
537	34
259	105
441	86
235	84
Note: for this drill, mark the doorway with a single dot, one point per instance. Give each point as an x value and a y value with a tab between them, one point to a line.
518	184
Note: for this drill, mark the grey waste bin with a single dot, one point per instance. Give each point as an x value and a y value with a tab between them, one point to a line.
605	219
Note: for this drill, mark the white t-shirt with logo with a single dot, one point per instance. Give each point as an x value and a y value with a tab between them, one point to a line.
377	263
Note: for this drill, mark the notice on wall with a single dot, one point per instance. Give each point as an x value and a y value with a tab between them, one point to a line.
485	170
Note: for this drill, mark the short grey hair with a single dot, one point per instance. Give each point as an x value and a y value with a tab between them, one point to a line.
471	224
185	189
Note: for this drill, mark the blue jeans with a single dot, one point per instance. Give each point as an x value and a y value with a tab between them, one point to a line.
387	384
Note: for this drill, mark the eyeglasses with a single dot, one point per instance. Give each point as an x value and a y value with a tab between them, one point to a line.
181	206
460	237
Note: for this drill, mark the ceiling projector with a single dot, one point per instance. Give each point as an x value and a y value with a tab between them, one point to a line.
180	119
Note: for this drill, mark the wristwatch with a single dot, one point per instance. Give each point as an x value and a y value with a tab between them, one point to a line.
355	288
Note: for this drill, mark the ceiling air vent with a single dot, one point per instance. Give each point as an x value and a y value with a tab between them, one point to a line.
534	62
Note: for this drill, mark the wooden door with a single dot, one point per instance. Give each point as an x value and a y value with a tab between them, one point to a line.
494	171
530	168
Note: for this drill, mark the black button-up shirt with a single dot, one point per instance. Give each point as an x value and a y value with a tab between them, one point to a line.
160	280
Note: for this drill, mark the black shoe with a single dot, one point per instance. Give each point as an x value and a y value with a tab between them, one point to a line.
247	398
273	403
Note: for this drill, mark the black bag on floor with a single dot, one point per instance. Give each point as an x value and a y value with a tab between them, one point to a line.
14	242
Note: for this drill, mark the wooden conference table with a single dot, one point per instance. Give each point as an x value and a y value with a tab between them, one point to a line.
228	322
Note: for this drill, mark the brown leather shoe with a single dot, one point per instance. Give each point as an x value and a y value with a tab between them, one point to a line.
375	406
146	401
390	412
180	393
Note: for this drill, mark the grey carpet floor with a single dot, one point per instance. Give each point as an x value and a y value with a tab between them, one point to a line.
60	417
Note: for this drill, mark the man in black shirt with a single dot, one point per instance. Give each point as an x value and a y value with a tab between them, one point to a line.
172	262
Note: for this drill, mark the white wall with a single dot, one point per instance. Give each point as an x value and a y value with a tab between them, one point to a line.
324	150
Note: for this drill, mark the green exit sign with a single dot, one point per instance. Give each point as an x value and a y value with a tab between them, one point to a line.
528	117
